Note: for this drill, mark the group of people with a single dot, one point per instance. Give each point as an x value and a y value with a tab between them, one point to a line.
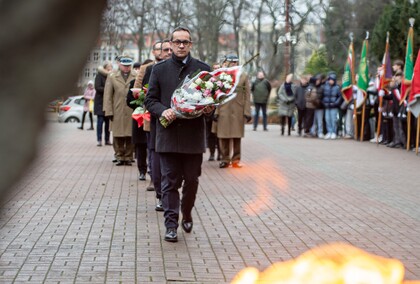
172	155
323	112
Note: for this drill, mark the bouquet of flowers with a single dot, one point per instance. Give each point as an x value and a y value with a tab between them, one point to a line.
205	89
140	113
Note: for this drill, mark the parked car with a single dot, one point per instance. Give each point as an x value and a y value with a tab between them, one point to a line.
71	110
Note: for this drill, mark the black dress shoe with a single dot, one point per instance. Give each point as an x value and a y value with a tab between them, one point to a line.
127	163
115	160
120	163
211	158
187	226
142	176
223	165
171	235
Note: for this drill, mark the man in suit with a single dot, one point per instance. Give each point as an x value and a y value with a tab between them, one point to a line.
165	53
181	144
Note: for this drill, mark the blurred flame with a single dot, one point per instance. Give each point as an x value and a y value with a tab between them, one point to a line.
265	181
336	263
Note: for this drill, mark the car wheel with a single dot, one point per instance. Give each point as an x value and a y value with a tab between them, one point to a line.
72	119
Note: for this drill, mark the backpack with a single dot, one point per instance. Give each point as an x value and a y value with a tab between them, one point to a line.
311	96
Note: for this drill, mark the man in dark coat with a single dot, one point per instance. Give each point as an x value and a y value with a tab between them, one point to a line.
100	80
260	89
181	145
165	53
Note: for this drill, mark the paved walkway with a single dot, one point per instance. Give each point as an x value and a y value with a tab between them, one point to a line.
77	218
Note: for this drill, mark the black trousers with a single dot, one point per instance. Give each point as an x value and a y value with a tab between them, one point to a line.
175	169
141	157
301	119
283	120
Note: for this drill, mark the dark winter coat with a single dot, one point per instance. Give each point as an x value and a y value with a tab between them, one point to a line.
331	97
300	101
100	81
391	96
261	89
182	135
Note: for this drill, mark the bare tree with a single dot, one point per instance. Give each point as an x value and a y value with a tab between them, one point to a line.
208	23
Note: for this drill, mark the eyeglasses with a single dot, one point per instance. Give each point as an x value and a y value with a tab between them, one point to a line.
179	42
166	49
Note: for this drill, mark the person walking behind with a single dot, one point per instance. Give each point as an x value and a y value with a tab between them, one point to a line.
300	102
231	118
260	89
211	138
88	95
331	101
180	145
102	122
311	103
115	107
318	126
162	51
286	103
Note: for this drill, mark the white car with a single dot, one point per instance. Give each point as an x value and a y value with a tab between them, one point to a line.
71	110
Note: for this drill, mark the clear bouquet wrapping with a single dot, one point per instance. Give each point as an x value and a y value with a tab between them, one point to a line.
203	90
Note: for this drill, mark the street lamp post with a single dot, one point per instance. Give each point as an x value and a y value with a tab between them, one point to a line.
287	38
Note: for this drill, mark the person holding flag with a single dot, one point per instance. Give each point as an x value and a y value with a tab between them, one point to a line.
394	95
384	76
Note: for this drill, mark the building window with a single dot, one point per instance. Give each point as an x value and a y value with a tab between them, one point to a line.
103	55
308	37
109	56
94	72
95	56
87	72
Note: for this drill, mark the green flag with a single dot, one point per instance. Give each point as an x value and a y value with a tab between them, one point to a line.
363	76
408	66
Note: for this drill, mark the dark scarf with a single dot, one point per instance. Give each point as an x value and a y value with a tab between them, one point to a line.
288	89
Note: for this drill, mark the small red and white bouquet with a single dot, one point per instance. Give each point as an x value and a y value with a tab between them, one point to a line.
204	89
140	114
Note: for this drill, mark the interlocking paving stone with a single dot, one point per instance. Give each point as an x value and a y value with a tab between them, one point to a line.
76	218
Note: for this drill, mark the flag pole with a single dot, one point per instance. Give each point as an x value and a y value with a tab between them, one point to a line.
362	123
353	83
378	128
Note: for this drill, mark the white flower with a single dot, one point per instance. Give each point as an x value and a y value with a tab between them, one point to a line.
209	85
198	81
227	85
